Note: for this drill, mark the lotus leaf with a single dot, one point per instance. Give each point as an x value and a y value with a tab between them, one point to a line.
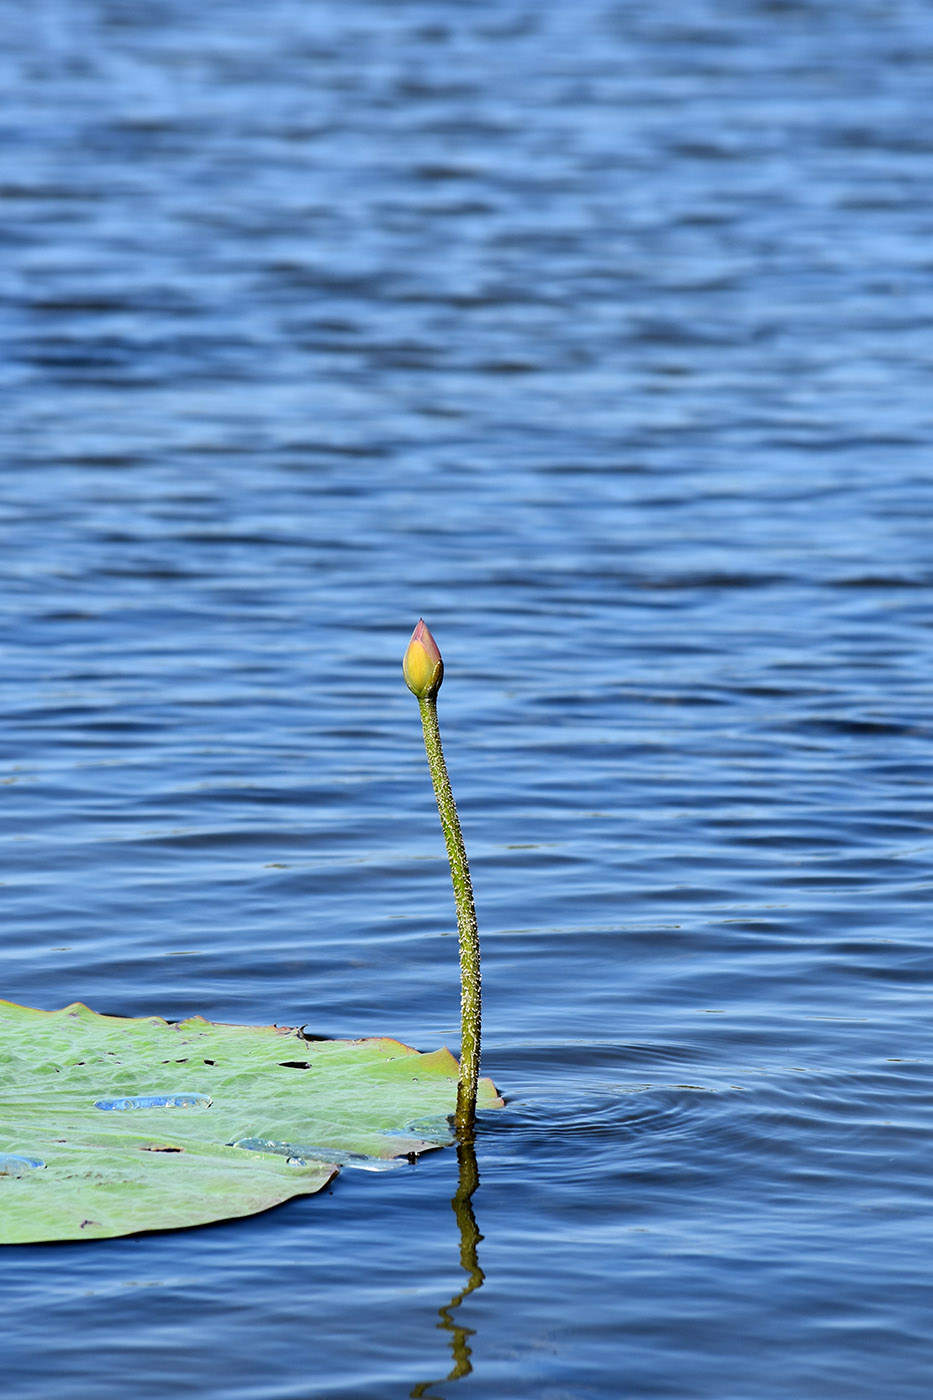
111	1125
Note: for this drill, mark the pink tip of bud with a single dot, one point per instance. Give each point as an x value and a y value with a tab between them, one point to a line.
423	667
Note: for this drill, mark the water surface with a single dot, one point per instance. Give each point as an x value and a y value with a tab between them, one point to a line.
600	336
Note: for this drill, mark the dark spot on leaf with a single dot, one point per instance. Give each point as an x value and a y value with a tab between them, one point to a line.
208	1062
88	1222
158	1147
295	1064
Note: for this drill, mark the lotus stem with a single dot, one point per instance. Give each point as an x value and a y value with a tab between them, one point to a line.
424	671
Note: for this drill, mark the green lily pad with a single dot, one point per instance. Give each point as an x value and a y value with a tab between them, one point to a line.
110	1125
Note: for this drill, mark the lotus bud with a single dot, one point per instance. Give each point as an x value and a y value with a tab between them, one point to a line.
423	667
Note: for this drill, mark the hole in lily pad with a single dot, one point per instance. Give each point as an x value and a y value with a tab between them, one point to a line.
154	1101
13	1165
298	1155
437	1129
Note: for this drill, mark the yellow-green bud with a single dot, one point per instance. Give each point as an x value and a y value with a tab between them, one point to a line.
423	667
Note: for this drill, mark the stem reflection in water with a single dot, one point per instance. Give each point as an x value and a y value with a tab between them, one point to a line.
462	1203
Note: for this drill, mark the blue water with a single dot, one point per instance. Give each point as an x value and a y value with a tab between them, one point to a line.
600	335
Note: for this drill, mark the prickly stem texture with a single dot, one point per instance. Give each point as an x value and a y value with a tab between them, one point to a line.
470	980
